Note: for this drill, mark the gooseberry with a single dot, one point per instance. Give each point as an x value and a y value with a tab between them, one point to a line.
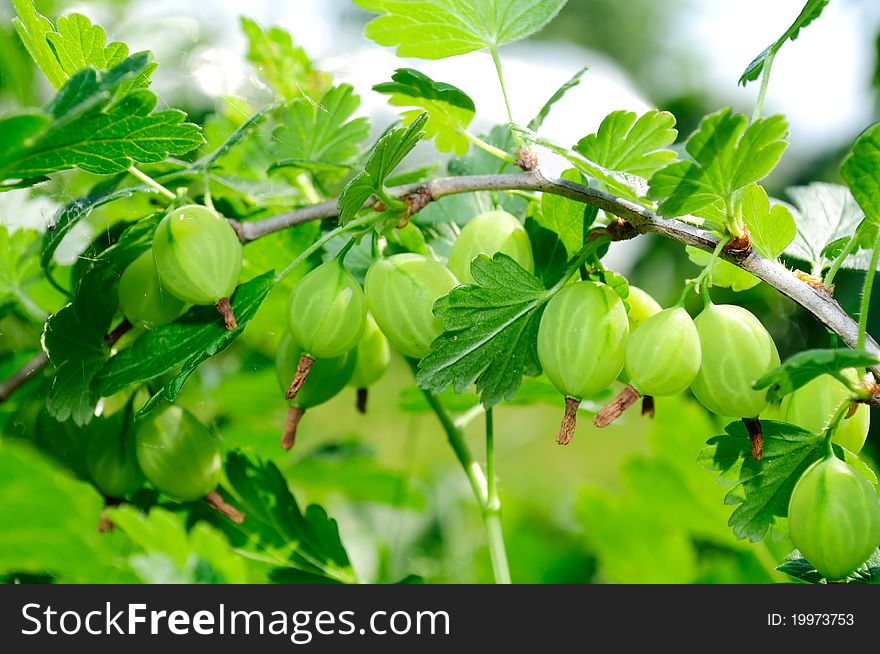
111	459
198	257
401	291
834	517
143	299
663	354
488	233
581	344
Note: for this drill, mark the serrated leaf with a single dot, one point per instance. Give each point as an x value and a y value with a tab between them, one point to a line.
799	568
490	332
78	44
73	338
772	228
33	28
826	213
536	122
859	171
548	250
284	65
434	29
809	13
18	263
625	144
801	368
565	217
388	152
303	541
728	154
191	339
762	489
450	110
323	137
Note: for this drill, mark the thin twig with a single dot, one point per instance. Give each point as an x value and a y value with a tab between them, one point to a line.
12	383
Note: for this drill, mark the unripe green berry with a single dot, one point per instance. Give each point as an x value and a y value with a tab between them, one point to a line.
641	307
326	378
143	299
178	454
488	233
326	311
401	291
111	459
834	518
373	354
663	354
198	254
737	351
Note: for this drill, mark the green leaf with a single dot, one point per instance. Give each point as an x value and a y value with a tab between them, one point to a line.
322	137
191	339
564	217
762	489
92	131
536	122
18	264
275	526
624	144
490	332
165	533
284	65
549	252
434	29
800	568
73	338
826	213
386	155
809	13
49	522
801	368
450	110
728	154
772	229
859	171
78	44
33	28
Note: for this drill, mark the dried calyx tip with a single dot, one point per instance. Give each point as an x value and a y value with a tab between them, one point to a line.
215	501
624	400
291	421
225	310
648	405
299	377
756	436
362	394
569	420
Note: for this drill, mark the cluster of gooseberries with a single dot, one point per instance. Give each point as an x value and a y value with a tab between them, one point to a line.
340	334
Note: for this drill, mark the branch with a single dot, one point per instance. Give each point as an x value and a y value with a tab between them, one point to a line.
824	307
12	383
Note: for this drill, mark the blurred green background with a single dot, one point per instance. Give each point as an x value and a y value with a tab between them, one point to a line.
627	504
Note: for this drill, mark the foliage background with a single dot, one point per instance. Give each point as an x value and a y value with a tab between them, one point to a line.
628	504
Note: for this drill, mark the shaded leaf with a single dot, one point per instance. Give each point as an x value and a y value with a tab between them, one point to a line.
801	368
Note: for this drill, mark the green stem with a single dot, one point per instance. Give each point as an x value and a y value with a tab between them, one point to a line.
492	511
765	81
488	147
152	183
866	295
477	479
839	259
329	236
497	61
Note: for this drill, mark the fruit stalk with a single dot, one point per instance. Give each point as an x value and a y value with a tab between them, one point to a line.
362	394
756	436
648	405
613	410
569	421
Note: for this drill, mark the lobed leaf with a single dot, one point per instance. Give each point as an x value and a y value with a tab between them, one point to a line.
450	110
434	29
490	332
859	171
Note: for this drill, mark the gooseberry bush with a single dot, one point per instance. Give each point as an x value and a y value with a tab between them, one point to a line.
290	229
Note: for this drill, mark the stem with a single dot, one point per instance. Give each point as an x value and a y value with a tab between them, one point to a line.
17	379
492	511
765	80
326	238
497	61
152	183
838	261
488	147
479	484
866	295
